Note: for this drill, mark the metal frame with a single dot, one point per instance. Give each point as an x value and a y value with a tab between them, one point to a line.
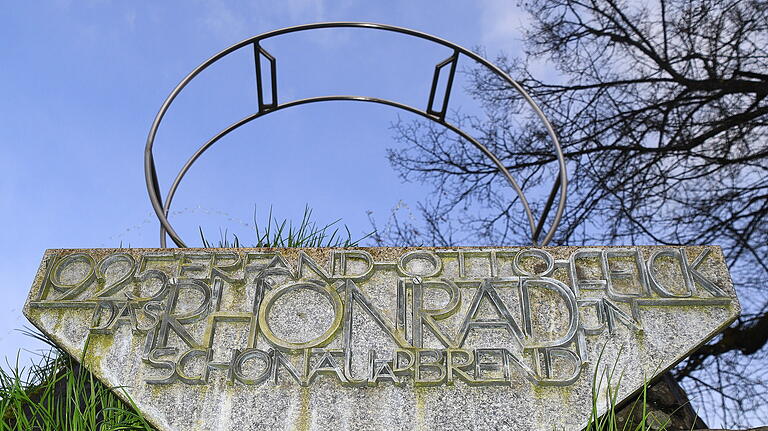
265	107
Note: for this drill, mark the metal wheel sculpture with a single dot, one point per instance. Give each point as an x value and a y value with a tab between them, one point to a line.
435	114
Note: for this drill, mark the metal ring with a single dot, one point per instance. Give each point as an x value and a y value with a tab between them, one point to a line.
150	172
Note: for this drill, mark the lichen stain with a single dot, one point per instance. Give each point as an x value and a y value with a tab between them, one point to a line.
303	420
95	347
538	391
420	407
566	394
57	325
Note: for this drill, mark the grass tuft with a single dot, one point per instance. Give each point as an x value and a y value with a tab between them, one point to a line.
282	234
55	393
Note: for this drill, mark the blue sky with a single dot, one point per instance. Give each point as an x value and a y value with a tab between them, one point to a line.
82	81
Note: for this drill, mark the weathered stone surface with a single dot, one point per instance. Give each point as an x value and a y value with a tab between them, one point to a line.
379	338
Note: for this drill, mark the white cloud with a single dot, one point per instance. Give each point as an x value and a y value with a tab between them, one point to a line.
223	21
503	31
130	19
236	20
314	10
502	23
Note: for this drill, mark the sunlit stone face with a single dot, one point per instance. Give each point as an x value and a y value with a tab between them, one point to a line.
379	338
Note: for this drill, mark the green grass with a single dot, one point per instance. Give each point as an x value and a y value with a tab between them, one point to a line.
634	416
283	234
610	421
55	393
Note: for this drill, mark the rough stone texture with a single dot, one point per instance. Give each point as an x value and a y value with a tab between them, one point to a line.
380	338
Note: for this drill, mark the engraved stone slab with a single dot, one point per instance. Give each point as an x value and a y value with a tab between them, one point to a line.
379	338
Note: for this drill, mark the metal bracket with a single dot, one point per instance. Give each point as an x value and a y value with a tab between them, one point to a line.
258	51
452	60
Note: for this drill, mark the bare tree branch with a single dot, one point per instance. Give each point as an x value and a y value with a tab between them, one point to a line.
662	110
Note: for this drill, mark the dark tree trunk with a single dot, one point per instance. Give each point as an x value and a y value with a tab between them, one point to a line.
666	407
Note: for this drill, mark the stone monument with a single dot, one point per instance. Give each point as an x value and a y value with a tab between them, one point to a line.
378	338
